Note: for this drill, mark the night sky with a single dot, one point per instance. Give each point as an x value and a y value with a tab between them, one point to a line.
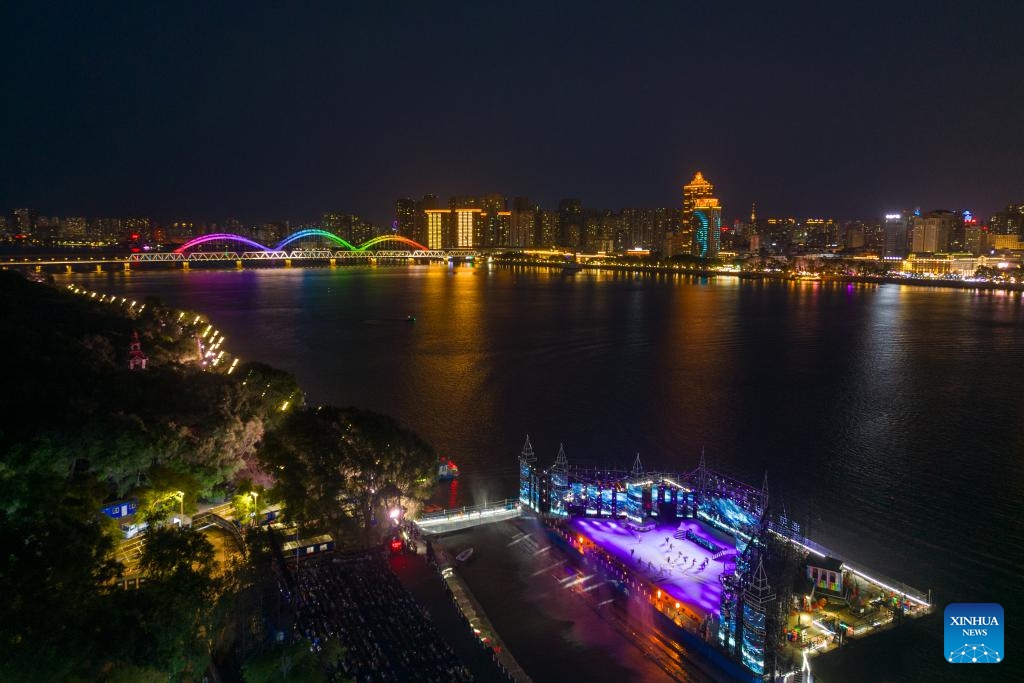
211	110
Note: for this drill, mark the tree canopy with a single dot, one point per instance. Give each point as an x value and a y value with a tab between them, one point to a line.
338	467
81	431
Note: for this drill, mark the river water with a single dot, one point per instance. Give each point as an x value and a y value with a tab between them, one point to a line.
888	418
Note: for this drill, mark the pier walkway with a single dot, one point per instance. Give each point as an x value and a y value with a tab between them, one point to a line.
456	519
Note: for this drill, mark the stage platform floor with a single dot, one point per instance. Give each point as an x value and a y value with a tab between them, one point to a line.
666	562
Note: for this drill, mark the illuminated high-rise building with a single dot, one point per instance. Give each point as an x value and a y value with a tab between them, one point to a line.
522	223
707	236
495	224
605	228
570	223
931	233
467	217
1009	221
25	222
821	232
703	214
74	228
973	236
467	232
894	235
436	228
648	229
547	229
349	227
405	217
696	189
420	222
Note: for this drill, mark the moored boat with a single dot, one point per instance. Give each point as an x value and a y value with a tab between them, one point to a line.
446	469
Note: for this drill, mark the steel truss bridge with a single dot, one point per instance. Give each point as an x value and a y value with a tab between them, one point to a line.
302	255
247	250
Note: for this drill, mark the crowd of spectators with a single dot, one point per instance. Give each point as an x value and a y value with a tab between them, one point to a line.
358	600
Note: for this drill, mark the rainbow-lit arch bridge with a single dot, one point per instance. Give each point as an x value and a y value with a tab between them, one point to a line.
285	249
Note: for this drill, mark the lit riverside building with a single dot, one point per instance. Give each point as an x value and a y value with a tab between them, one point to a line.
707	237
467	223
437	220
931	233
894	233
405	217
702	218
698	188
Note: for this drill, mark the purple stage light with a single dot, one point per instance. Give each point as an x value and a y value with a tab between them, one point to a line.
655	557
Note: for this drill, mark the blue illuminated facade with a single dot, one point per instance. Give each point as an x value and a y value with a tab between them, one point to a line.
708	235
758	599
529	486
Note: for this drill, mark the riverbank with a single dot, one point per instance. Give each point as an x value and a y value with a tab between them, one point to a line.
674	269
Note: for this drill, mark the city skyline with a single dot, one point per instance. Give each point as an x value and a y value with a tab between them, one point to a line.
742	213
492	221
285	286
273	113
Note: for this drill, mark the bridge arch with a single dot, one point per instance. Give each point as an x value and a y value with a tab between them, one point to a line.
393	238
218	236
312	232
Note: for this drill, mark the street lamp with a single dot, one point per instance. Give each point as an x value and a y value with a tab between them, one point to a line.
180	495
254	508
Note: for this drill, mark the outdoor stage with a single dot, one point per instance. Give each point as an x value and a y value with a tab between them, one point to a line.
664	561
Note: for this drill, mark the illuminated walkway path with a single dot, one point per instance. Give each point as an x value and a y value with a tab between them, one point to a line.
466	517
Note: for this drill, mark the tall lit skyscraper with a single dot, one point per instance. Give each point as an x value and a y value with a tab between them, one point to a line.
496	220
25	222
707	235
420	231
894	235
523	223
931	233
973	233
547	229
436	228
702	218
348	227
1010	221
570	223
405	217
468	221
698	188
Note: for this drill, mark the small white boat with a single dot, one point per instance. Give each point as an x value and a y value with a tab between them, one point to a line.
464	555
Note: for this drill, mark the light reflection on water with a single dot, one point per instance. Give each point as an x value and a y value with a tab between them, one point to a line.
887	417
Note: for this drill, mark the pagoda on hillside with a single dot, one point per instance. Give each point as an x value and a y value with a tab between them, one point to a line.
136	358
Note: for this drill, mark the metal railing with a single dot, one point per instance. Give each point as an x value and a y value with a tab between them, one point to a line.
296	254
470	510
208	519
892	585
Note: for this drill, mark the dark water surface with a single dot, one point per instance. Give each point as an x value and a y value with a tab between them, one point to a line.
890	420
